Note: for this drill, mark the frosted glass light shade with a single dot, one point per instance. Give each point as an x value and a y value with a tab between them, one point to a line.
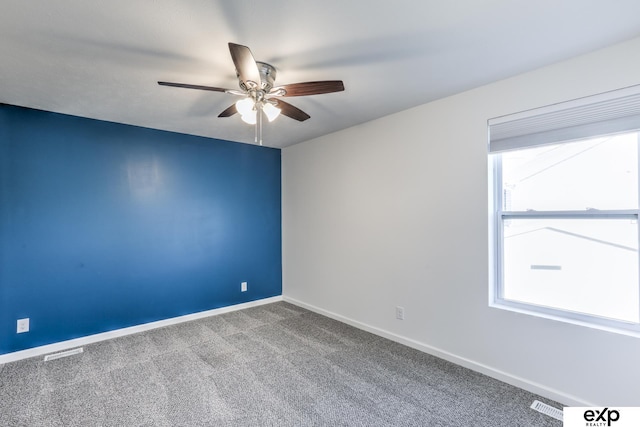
271	111
245	106
249	117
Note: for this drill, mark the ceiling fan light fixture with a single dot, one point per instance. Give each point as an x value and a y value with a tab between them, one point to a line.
271	111
256	80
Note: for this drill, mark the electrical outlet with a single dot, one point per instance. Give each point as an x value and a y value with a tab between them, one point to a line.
243	287
23	325
400	313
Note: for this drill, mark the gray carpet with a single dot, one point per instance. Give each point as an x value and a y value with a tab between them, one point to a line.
273	365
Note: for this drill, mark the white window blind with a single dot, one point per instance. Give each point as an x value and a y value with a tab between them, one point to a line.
603	114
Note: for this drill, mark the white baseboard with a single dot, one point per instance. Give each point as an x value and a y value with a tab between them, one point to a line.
533	387
90	339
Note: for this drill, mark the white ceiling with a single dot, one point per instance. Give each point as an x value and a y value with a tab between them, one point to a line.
102	59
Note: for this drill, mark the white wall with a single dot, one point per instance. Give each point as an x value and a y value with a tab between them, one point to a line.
394	212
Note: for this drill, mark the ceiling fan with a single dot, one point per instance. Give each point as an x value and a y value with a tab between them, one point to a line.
259	93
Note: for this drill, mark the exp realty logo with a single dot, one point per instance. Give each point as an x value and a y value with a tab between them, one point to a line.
601	417
595	417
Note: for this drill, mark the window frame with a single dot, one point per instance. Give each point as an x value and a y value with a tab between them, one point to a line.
496	276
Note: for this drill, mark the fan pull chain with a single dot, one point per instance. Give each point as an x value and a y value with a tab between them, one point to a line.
260	123
256	129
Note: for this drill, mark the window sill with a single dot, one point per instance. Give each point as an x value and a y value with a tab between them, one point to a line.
632	331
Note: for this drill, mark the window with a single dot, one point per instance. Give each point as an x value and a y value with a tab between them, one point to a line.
565	205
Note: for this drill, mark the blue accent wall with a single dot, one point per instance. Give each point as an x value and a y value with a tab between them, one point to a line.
105	226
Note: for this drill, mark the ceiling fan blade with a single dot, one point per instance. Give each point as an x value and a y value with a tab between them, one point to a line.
229	111
245	64
188	86
291	111
310	88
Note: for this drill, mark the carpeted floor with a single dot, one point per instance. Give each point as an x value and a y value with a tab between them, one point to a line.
272	365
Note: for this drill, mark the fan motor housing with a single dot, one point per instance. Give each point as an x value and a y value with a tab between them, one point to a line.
267	77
